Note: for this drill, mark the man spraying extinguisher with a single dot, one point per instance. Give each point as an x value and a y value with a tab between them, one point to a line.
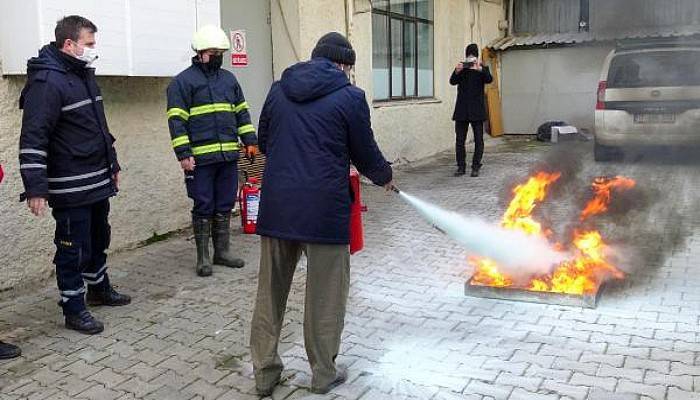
207	117
313	124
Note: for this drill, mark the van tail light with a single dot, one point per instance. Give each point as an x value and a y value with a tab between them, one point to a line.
600	104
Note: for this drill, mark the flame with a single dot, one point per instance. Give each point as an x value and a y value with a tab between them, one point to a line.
526	196
588	267
602	187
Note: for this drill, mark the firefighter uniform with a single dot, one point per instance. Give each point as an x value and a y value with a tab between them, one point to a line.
207	117
67	156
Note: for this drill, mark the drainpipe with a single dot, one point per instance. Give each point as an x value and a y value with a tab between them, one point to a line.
349	11
511	19
348	17
472	21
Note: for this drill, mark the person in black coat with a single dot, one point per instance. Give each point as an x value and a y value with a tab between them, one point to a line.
470	78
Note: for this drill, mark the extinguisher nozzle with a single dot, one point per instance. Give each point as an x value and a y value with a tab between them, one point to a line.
395	189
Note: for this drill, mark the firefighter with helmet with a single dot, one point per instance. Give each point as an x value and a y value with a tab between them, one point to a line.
208	119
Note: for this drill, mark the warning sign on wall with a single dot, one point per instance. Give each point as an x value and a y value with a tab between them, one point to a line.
239	50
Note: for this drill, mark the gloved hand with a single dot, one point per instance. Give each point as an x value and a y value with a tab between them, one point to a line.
251	152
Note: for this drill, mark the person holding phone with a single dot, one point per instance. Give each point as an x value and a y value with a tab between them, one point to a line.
470	77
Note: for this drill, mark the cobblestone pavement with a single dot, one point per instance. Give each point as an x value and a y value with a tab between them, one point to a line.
410	331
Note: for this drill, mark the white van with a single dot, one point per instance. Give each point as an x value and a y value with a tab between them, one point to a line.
648	95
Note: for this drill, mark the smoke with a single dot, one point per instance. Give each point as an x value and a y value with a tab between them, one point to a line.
518	254
644	225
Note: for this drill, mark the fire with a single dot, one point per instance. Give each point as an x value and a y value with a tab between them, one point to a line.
586	269
601	188
526	196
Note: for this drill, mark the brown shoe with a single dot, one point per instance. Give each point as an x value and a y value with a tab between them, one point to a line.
267	391
341	375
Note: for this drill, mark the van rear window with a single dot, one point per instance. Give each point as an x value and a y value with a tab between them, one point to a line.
655	69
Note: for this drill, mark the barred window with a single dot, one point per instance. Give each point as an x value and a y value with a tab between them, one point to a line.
402	49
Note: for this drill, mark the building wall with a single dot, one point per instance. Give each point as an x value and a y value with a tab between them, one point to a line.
152	198
410	130
540	85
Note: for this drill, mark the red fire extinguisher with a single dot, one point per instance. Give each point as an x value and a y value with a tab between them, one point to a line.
357	241
249	199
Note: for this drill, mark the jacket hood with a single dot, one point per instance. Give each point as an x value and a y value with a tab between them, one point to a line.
310	80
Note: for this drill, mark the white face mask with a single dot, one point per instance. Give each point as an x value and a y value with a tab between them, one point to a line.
89	55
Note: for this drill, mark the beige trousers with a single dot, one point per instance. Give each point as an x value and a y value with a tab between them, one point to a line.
327	285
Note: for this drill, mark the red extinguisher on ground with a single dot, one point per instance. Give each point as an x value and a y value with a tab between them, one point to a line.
249	199
357	241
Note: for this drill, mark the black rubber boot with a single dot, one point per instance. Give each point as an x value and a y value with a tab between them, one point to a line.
106	296
84	322
460	171
8	351
202	232
220	233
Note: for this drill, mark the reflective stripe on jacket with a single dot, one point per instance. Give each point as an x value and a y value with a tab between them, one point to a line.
208	115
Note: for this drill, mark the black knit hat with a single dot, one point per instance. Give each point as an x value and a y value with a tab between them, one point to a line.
472	50
334	47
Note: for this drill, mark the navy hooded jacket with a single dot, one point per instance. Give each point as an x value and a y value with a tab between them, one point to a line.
66	150
207	115
313	124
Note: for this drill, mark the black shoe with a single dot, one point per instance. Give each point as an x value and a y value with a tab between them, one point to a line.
341	375
8	351
84	322
475	172
460	172
106	297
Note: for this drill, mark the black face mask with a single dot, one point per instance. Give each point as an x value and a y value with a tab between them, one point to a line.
215	62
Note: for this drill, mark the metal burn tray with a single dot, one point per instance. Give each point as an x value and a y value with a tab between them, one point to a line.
516	294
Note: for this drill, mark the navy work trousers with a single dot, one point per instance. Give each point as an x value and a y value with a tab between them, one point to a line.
213	188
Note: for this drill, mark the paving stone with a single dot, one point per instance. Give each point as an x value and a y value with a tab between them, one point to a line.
528	383
665	355
573	391
497	392
657	392
522	394
678	394
108	378
635	375
99	393
579	379
563	364
602	394
684	382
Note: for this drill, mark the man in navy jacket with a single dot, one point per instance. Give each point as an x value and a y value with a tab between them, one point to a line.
313	125
67	159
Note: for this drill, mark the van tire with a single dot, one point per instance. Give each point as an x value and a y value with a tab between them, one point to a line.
606	153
